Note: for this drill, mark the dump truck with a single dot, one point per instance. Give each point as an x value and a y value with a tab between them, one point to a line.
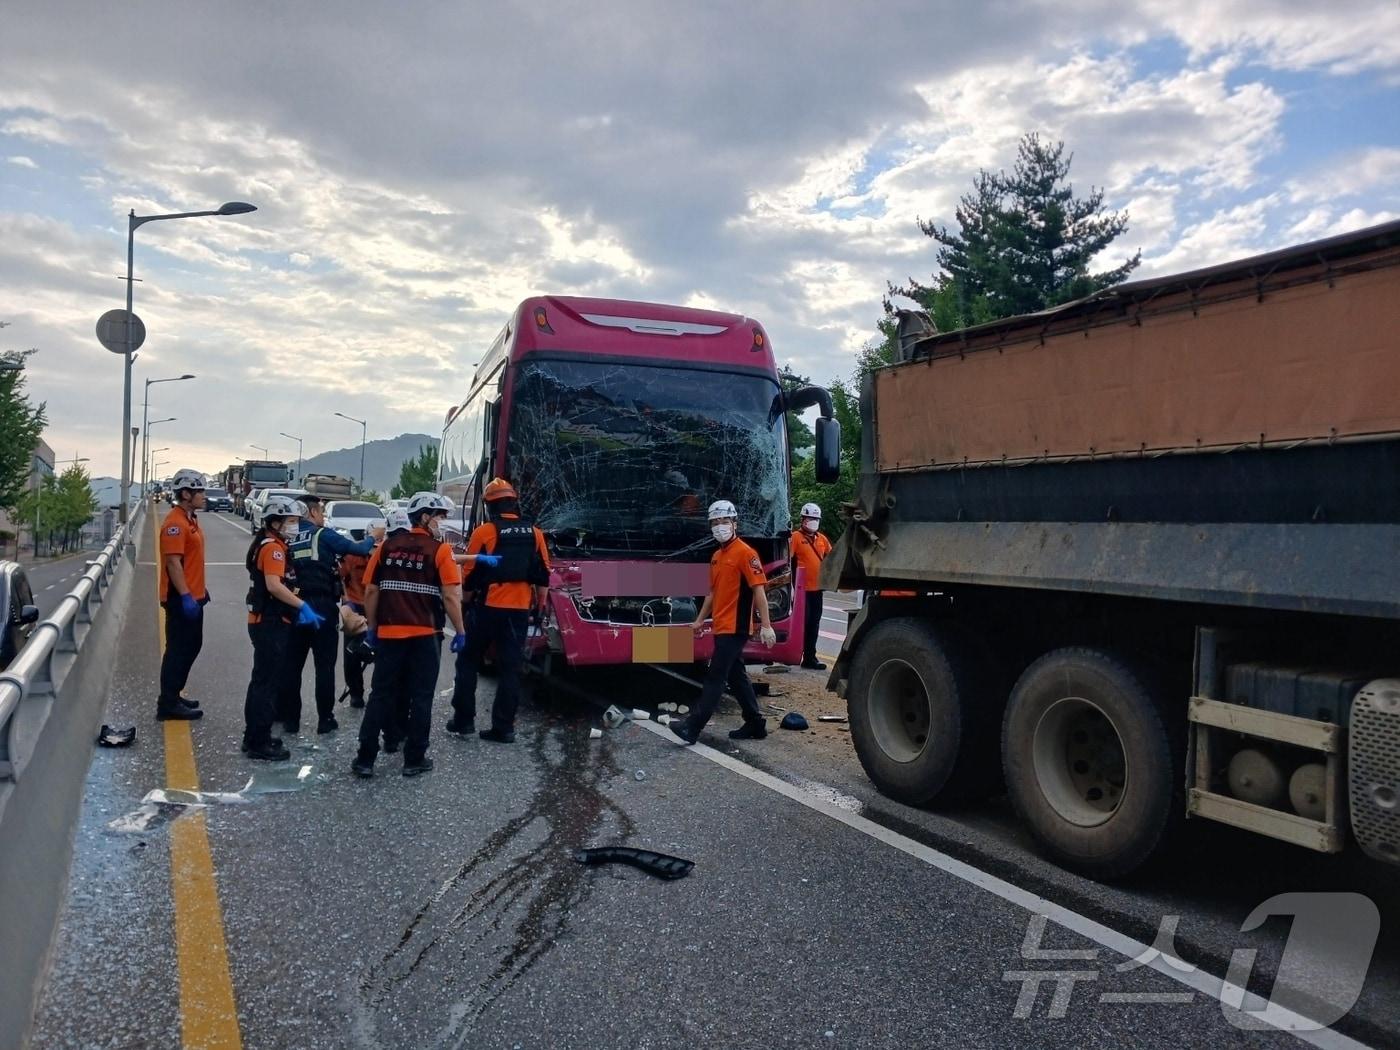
327	486
1149	550
233	481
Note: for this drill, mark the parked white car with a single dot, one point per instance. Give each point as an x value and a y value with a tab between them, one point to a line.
352	517
261	501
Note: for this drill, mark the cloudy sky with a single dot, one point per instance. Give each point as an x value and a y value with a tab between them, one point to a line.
421	167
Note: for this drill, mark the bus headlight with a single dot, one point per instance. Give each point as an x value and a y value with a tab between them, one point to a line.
780	602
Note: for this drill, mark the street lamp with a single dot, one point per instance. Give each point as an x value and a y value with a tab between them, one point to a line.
145	443
146	466
298	441
132	222
259	448
363	431
145	440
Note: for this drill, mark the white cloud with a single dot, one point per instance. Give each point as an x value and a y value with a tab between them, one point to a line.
21	162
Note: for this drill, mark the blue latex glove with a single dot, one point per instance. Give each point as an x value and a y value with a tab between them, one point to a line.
490	561
189	606
459	642
372	638
308	617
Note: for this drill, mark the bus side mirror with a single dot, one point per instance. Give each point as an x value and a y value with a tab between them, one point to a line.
828	452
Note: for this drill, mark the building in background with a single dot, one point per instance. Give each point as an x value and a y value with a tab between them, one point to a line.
40	467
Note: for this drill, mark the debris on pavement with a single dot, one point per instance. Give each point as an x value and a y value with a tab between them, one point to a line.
614	717
776	669
640	775
595	734
831	718
149	817
638	715
793	720
110	736
658	864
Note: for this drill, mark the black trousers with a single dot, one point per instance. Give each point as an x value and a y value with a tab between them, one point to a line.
405	673
507	629
726	668
354	669
321	642
812	624
269	639
183	641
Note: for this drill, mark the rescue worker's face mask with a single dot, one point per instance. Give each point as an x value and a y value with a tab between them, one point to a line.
723	531
434	523
809	524
290	528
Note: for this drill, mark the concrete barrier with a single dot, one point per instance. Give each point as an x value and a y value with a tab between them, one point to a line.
50	743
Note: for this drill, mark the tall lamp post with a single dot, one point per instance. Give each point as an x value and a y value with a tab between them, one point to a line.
298	441
146	444
259	448
145	438
154	452
360	483
132	222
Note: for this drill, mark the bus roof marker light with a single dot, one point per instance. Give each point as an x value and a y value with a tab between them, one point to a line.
758	341
542	321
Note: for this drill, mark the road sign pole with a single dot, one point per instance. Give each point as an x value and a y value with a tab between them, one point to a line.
126	373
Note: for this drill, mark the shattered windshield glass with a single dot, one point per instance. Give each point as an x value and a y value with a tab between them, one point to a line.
630	456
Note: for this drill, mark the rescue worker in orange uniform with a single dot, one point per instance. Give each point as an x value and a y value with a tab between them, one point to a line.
505	596
182	594
411	580
809	550
273	606
738	589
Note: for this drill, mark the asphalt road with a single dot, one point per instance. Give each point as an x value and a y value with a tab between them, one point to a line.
50	581
447	911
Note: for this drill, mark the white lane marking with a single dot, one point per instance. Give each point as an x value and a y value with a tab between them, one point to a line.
231	521
50	587
1197	979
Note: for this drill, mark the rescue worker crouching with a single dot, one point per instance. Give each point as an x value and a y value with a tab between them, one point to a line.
273	606
738	589
183	594
314	553
809	550
410	581
358	655
504	596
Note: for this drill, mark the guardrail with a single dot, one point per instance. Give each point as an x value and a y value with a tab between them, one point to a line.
48	656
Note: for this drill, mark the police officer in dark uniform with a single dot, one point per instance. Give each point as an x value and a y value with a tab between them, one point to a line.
505	595
314	554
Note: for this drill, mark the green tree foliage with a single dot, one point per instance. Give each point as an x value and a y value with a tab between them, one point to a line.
1024	243
59	508
800	435
418	474
20	427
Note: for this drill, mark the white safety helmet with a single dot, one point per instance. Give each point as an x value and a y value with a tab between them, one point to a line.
811	510
396	521
722	508
421	501
283	507
185	478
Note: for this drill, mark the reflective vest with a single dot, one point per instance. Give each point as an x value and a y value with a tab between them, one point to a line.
315	568
520	557
410	590
260	599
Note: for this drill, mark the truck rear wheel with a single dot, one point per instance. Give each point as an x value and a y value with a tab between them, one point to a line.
922	714
1089	762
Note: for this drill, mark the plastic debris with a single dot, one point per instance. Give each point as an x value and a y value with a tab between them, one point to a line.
110	736
640	775
831	718
149	817
793	720
658	864
614	717
595	734
776	669
665	720
277	779
638	715
668	706
681	709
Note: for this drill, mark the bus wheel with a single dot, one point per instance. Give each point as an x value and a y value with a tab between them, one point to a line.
1089	762
922	713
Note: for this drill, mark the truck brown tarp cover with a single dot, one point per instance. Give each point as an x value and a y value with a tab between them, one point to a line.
1298	345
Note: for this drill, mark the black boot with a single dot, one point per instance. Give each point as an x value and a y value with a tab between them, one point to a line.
498	736
269	751
755	730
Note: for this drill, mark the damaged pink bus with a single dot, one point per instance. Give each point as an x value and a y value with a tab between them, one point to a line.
618	423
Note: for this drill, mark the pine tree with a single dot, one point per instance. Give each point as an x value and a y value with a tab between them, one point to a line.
418	474
20	427
1024	243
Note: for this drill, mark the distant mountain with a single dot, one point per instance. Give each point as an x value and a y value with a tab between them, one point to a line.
383	458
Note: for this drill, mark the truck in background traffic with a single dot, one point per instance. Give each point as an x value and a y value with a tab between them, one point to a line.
327	486
1154	537
233	481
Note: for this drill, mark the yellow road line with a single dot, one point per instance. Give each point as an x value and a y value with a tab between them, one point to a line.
208	1015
